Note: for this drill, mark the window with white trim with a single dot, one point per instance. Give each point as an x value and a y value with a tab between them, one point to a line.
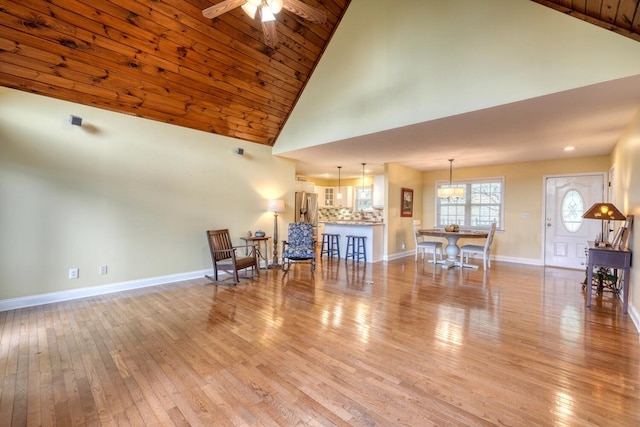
482	204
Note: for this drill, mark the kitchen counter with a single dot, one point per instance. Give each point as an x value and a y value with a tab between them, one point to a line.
373	231
344	222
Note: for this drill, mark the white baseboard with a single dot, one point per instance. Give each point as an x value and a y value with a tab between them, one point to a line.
635	318
527	261
33	300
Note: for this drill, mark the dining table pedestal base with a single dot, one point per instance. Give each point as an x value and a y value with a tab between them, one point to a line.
453	250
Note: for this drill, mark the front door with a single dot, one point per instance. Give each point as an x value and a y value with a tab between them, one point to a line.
566	232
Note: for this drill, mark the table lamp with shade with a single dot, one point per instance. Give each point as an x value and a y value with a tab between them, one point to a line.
275	206
604	212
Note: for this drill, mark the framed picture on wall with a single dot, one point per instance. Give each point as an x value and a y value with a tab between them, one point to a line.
406	202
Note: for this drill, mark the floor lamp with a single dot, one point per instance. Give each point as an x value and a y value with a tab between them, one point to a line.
275	206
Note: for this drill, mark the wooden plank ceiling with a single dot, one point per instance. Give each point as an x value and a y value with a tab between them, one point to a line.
163	60
619	16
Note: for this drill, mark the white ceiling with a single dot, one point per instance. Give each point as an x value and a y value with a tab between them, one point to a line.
511	81
591	119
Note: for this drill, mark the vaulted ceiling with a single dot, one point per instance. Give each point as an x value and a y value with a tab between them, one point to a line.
163	60
620	16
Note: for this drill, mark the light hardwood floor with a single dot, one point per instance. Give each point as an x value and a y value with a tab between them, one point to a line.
387	344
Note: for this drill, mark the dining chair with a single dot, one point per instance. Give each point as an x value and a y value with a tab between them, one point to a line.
485	249
225	260
422	244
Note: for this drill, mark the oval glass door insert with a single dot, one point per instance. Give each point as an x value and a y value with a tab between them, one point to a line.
572	209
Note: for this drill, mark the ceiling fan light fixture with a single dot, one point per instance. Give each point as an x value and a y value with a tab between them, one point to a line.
275	5
266	14
250	9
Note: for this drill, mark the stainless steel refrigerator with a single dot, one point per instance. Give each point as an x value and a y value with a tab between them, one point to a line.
306	210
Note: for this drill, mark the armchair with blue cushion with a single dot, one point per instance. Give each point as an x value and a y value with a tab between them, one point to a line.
300	246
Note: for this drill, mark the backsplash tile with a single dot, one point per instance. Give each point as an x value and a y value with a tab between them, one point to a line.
348	214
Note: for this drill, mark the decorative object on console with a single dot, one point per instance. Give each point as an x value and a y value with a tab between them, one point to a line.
603	212
452	228
450	191
259	233
275	206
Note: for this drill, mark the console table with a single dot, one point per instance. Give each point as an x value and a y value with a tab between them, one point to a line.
612	258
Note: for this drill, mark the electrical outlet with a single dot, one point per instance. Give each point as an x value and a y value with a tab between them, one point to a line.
103	269
73	273
403	246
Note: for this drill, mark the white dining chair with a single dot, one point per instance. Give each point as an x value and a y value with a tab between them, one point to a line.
485	249
422	244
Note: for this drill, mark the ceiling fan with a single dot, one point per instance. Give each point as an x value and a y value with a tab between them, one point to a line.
268	9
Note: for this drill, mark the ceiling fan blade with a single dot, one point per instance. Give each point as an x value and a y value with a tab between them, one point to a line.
269	32
222	7
309	13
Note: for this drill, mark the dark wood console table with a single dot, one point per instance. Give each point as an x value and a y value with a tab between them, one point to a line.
612	258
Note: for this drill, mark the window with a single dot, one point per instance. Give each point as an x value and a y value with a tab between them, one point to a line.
364	198
482	204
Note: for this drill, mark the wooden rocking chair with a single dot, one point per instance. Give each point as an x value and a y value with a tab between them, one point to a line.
224	258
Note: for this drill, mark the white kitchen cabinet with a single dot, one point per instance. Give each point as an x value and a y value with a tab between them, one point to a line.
378	191
308	187
325	196
347	197
328	197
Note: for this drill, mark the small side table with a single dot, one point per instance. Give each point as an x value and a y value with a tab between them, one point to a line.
255	242
612	258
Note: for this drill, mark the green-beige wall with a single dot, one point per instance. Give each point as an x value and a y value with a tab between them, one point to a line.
626	159
132	194
521	240
137	195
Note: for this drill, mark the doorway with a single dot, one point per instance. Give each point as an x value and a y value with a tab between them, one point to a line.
565	231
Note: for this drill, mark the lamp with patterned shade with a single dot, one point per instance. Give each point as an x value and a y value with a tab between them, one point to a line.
604	212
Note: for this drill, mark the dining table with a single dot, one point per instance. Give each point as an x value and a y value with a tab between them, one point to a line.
453	250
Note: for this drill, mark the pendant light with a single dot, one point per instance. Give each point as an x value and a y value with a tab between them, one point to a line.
339	195
362	190
450	191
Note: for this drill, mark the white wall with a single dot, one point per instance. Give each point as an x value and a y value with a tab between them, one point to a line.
393	64
133	194
626	158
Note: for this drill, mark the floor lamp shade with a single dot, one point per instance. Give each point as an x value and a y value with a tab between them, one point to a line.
275	205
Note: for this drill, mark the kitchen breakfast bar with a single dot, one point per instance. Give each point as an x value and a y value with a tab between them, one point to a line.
373	231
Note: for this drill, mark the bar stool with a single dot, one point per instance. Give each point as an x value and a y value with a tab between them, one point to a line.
355	248
330	245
